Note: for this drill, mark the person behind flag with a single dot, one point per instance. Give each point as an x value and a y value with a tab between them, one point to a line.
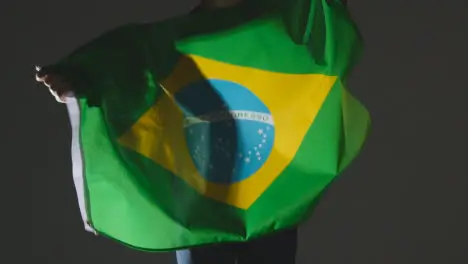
279	247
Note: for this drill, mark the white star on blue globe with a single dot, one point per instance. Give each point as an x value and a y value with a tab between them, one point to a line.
229	131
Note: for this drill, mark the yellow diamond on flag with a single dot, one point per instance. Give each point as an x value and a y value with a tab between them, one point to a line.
271	111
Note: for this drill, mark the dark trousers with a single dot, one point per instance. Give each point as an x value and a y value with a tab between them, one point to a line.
279	248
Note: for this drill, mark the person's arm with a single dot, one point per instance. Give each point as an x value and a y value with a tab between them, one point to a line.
96	67
75	72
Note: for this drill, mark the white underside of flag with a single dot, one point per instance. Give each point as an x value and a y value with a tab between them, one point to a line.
74	114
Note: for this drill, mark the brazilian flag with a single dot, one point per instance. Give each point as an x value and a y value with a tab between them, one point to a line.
216	126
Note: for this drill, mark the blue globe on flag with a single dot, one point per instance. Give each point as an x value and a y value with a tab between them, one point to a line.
229	131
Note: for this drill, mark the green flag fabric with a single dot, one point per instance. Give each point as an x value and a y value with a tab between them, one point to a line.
217	126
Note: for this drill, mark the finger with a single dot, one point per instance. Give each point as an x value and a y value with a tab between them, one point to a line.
56	95
51	80
59	86
40	72
43	71
59	95
40	78
45	78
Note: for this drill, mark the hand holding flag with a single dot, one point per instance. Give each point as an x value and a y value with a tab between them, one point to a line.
58	87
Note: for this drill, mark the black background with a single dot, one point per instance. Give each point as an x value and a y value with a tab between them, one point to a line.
403	201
